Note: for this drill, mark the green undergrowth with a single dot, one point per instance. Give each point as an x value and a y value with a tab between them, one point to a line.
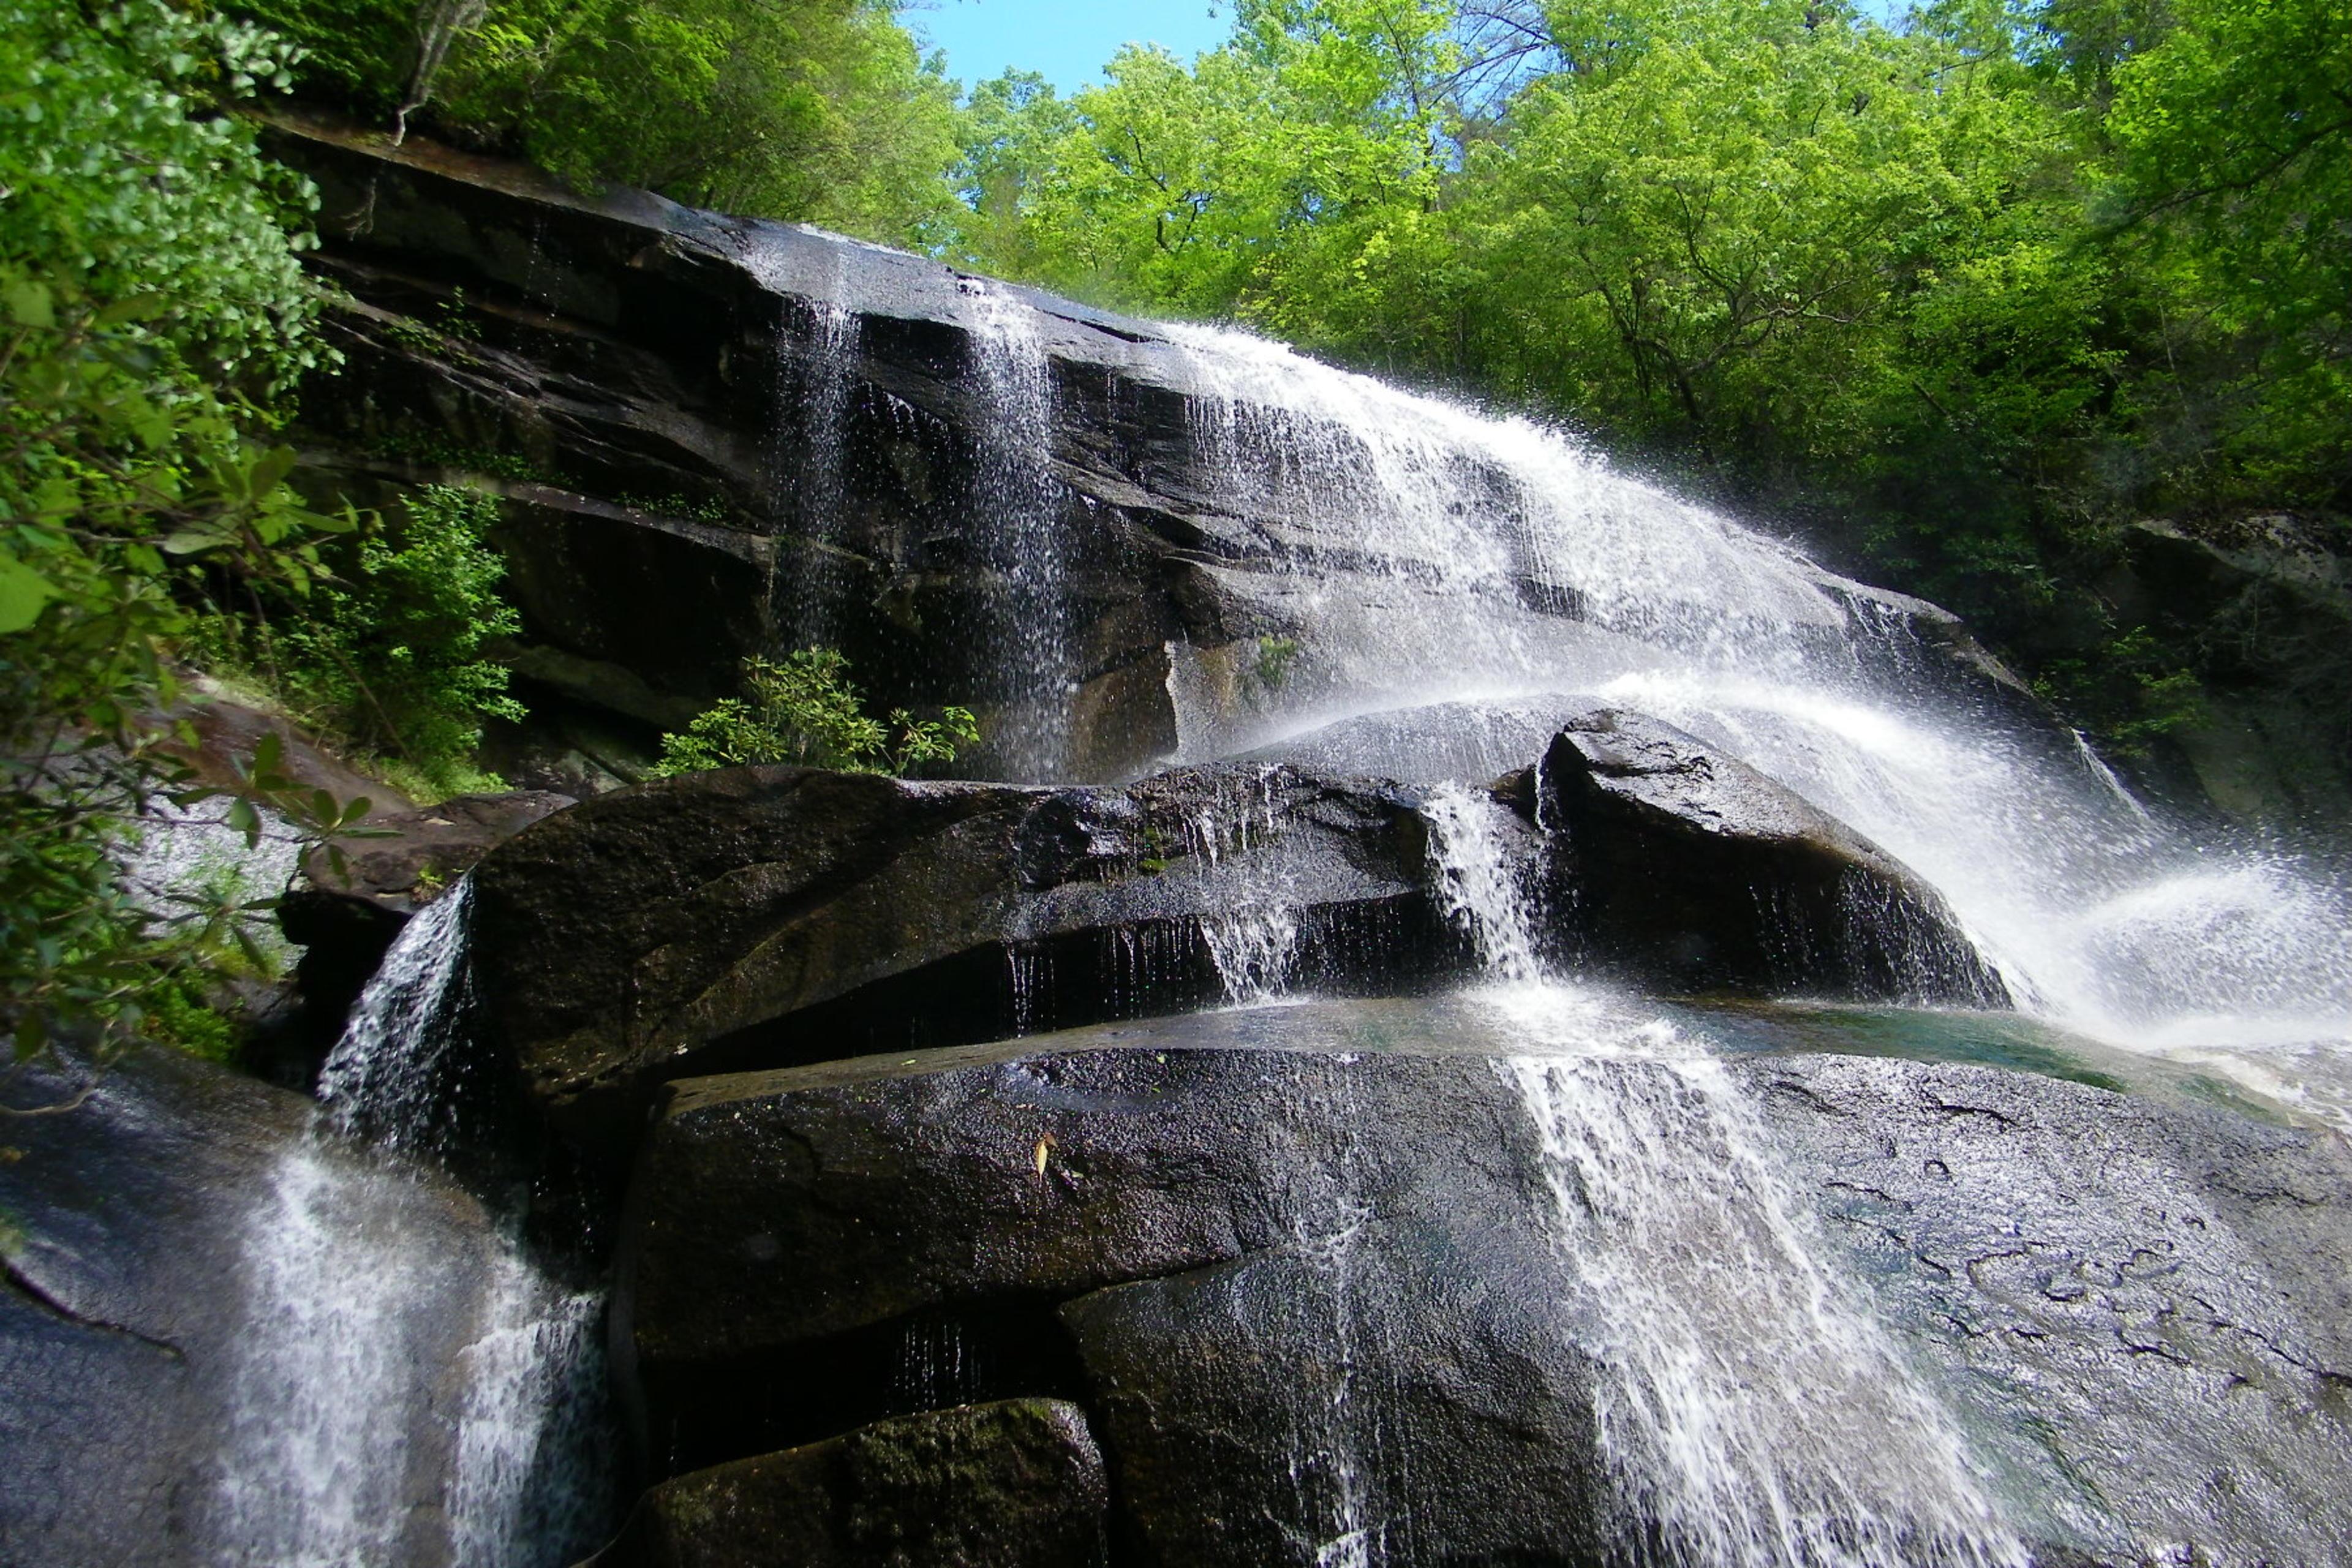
805	710
392	656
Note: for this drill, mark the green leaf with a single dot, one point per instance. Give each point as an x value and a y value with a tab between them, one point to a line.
137	308
270	471
23	594
30	303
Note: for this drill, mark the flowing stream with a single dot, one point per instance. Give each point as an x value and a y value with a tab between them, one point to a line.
1468	579
1753	1413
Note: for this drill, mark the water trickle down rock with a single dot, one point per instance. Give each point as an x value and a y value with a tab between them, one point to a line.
390	1075
1019	533
342	1448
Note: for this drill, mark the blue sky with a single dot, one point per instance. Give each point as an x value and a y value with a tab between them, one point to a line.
1068	40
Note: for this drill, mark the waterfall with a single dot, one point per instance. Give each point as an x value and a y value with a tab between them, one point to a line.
411	1388
1481	896
813	468
1418	551
1751	1414
1253	937
385	1078
1021	534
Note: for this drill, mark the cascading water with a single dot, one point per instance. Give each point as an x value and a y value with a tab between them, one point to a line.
1022	540
1253	941
383	1077
1751	1414
412	1389
801	599
1421	552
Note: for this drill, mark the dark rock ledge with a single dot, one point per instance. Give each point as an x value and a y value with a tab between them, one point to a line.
765	917
1316	1288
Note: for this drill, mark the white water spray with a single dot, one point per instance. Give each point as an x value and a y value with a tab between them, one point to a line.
1752	1415
1474	880
411	1390
385	1074
1022	537
1418	551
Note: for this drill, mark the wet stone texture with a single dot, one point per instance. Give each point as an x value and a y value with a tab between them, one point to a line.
2147	1304
1313	1299
128	1230
1014	1484
1687	867
768	916
713	436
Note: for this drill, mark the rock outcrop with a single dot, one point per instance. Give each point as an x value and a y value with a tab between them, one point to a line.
351	896
1307	1271
2260	606
712	436
1017	1484
765	916
2143	1303
1687	868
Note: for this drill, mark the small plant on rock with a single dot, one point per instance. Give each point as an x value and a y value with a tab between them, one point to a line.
805	710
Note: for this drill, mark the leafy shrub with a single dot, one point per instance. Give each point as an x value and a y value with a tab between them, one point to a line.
118	170
805	710
392	652
124	486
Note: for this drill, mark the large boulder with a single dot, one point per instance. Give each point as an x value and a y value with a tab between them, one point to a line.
1232	1242
1015	1484
2260	604
1687	868
766	916
1395	1279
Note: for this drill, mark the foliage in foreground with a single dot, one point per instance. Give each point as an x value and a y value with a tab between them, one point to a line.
151	305
804	710
122	482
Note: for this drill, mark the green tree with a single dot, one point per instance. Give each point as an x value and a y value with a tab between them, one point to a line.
1264	180
819	110
149	292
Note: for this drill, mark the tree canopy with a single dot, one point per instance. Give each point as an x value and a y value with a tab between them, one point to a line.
1955	295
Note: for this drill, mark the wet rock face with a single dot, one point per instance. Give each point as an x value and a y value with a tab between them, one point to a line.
1272	1282
716	436
2146	1305
1677	863
771	915
1306	1407
1015	1484
1316	1299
